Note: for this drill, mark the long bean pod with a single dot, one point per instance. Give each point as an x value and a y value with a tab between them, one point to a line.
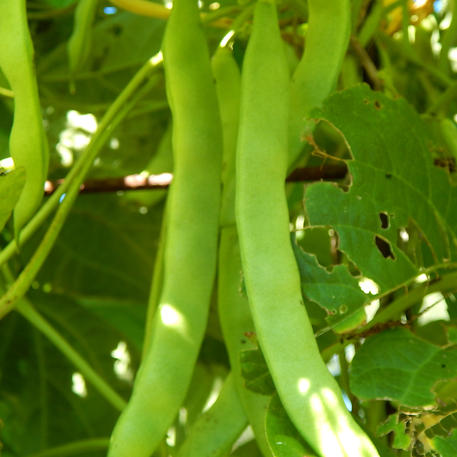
191	240
233	308
29	150
309	393
327	39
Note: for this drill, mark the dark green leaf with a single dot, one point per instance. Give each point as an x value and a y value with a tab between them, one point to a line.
282	436
399	366
337	291
255	372
446	446
393	425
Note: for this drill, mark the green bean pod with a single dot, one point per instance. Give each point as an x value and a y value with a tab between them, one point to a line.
233	308
448	131
308	392
316	75
27	143
191	240
215	431
80	41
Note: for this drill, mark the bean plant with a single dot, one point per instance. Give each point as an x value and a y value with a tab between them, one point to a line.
228	228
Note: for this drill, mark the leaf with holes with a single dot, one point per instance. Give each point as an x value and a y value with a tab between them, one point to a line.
395	187
337	291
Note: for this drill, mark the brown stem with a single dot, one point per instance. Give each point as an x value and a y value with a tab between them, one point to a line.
162	181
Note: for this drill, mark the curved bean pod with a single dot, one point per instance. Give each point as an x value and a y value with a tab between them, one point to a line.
308	392
30	150
191	240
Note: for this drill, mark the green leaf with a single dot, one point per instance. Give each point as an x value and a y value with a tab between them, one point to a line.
452	334
255	372
396	365
317	241
106	250
337	291
11	185
395	186
446	446
282	436
126	317
393	425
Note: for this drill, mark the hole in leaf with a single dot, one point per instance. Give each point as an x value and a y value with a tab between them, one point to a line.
384	220
403	235
384	247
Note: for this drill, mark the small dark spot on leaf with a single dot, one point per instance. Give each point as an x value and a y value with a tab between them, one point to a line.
446	162
377	104
366	101
116	29
384	247
388	175
443	365
142	140
384	220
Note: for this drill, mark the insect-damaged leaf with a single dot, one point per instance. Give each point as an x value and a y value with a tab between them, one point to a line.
337	291
395	185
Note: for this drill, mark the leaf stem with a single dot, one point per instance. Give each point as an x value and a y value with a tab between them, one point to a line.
6	92
447	283
74	448
158	11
